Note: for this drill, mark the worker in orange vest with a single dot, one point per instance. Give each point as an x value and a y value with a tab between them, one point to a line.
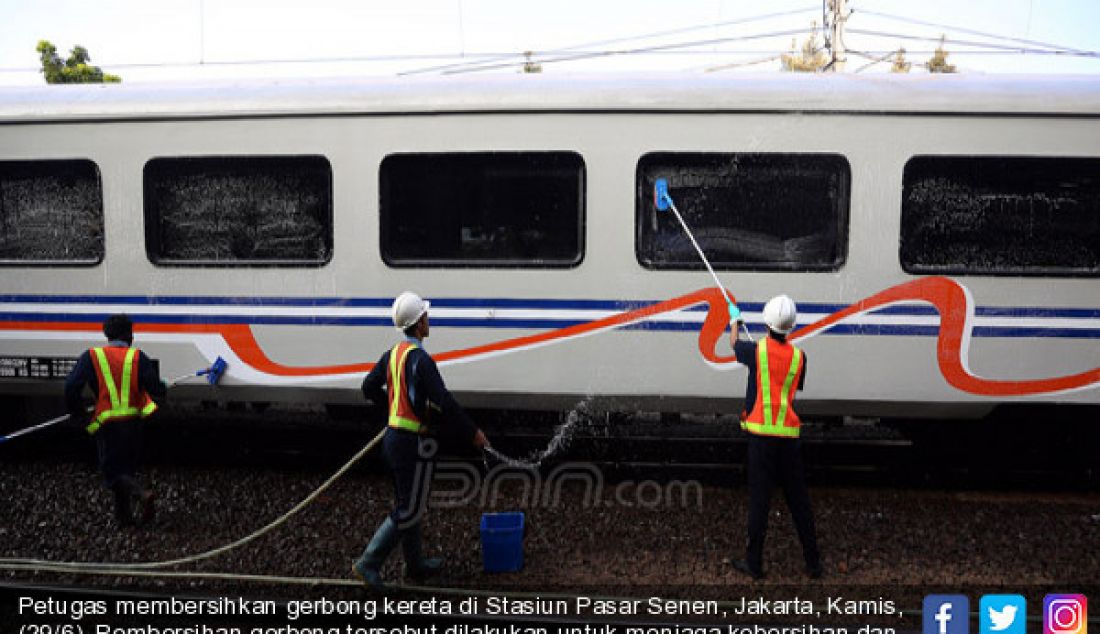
777	370
124	381
418	404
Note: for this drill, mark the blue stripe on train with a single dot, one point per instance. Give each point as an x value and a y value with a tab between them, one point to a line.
509	303
544	324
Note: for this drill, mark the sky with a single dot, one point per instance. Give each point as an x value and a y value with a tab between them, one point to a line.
181	40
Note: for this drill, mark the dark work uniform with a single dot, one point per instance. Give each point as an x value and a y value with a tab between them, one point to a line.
775	460
118	442
409	453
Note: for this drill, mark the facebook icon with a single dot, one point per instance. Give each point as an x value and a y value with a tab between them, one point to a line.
946	614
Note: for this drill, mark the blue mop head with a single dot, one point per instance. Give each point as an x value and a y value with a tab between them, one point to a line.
660	195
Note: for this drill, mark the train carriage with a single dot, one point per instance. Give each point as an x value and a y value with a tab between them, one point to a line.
940	234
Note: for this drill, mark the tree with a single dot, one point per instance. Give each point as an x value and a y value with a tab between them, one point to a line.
74	70
938	63
811	60
900	65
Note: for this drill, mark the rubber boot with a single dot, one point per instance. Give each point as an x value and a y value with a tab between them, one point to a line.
368	567
123	491
417	566
744	567
147	507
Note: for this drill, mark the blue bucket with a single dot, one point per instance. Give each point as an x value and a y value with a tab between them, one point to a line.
502	541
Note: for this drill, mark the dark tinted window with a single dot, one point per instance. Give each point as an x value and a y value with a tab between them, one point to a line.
1001	215
240	210
747	211
51	212
523	209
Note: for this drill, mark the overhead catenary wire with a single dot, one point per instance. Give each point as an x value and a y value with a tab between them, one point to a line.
482	57
269	61
875	58
878	57
877	54
960	29
633	51
928	51
619	40
751	62
774	52
1034	47
986	45
977	48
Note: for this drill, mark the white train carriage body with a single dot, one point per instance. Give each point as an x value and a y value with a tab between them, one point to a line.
273	224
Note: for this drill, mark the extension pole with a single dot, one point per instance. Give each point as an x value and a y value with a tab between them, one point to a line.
16	434
661	196
213	374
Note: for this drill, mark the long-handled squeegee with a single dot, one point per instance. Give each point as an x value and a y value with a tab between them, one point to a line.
663	202
213	374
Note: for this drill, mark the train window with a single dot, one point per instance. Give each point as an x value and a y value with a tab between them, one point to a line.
748	211
483	209
51	212
238	211
1001	215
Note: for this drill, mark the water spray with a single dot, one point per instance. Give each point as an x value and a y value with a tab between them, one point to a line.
578	418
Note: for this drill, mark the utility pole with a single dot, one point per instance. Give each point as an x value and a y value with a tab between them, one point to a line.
837	14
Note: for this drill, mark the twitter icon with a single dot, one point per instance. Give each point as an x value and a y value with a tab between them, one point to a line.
1002	614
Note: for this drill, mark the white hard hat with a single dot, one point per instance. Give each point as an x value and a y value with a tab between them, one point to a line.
780	313
408	308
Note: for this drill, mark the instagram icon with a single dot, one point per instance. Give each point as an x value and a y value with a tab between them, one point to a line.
1065	614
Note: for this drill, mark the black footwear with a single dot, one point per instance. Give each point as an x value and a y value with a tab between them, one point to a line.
146	508
417	566
742	566
429	567
124	513
815	571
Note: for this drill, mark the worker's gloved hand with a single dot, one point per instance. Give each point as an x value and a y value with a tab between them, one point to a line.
480	441
735	314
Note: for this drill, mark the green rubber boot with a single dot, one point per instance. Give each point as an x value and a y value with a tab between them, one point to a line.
368	567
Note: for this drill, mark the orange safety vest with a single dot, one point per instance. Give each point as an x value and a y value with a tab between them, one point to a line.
778	365
122	400
402	415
